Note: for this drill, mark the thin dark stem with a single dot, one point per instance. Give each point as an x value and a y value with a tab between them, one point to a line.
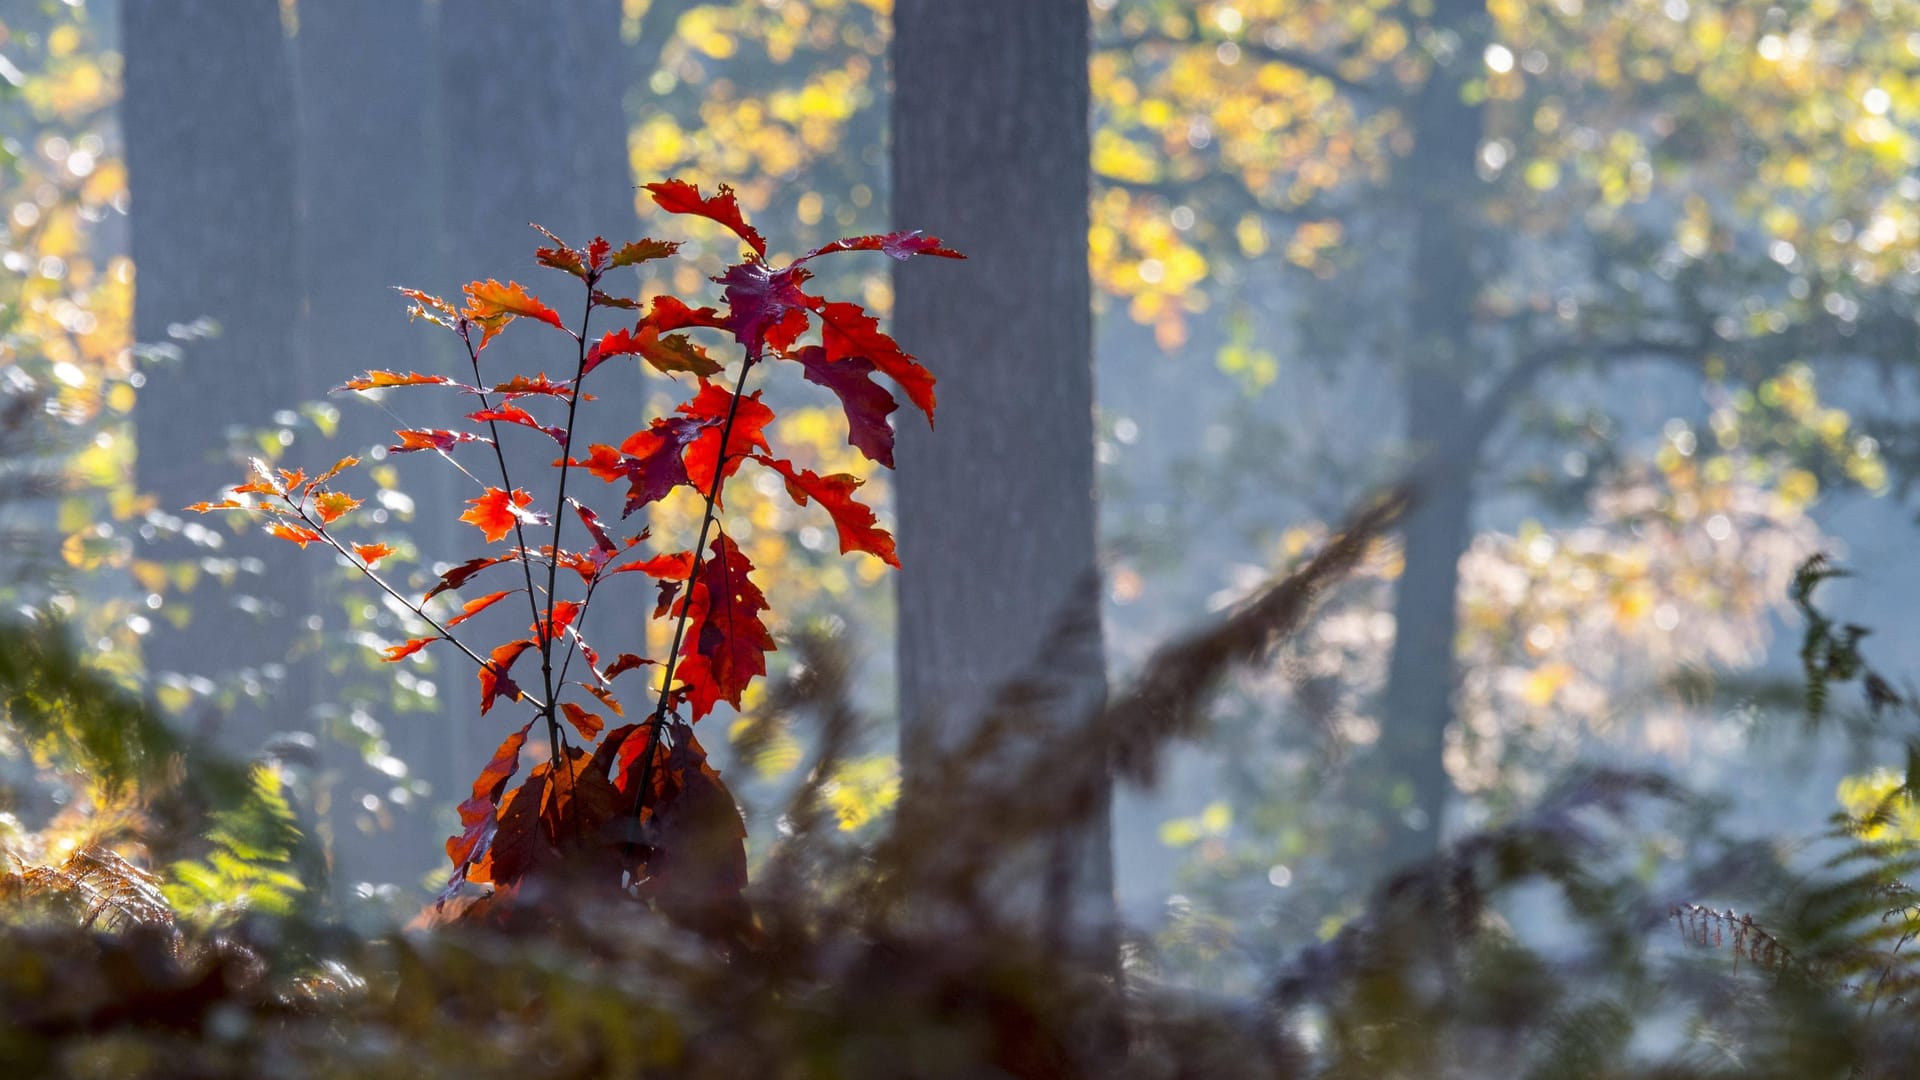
686	602
545	629
327	538
519	534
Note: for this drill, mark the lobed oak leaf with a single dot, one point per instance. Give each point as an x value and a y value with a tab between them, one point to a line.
696	874
478	812
381	380
726	642
846	330
475	607
522	386
643	250
588	724
428	306
514	414
670	314
867	403
760	298
564	612
294	533
668	355
333	505
597	249
490	301
710	407
496	512
339	467
559	256
412	439
405	649
899	245
371	554
624	663
859	531
459	575
680	197
496	679
606	697
602	299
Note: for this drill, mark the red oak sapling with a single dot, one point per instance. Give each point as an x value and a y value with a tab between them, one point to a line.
635	804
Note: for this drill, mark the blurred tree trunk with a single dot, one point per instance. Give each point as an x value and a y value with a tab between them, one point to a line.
996	508
1444	195
532	130
208	117
367	220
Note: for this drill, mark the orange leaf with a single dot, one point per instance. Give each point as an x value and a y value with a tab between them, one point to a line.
371	554
606	697
475	607
406	648
703	453
294	533
496	680
642	251
492	513
588	724
492	305
380	380
331	505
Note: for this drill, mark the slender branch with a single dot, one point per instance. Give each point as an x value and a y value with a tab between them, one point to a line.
545	628
519	531
320	530
693	575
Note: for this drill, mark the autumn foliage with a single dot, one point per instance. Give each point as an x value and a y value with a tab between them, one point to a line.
631	805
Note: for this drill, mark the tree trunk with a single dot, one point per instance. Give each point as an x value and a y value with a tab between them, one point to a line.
996	509
367	222
208	117
1444	195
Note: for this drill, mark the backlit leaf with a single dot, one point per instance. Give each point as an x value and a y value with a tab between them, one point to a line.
680	197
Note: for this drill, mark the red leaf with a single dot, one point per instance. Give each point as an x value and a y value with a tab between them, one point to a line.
380	380
900	245
854	520
496	680
626	662
866	402
726	643
564	612
332	505
560	256
371	554
609	300
606	697
670	314
604	548
521	386
760	299
493	305
643	250
406	648
458	576
671	567
710	407
847	330
514	414
475	607
650	460
588	724
493	515
680	197
294	533
668	355
477	813
412	439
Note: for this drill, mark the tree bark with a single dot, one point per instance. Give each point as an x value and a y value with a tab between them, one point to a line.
996	509
367	222
1444	195
208	117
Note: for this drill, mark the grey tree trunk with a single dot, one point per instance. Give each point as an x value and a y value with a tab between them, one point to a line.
208	116
996	508
1444	195
367	160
